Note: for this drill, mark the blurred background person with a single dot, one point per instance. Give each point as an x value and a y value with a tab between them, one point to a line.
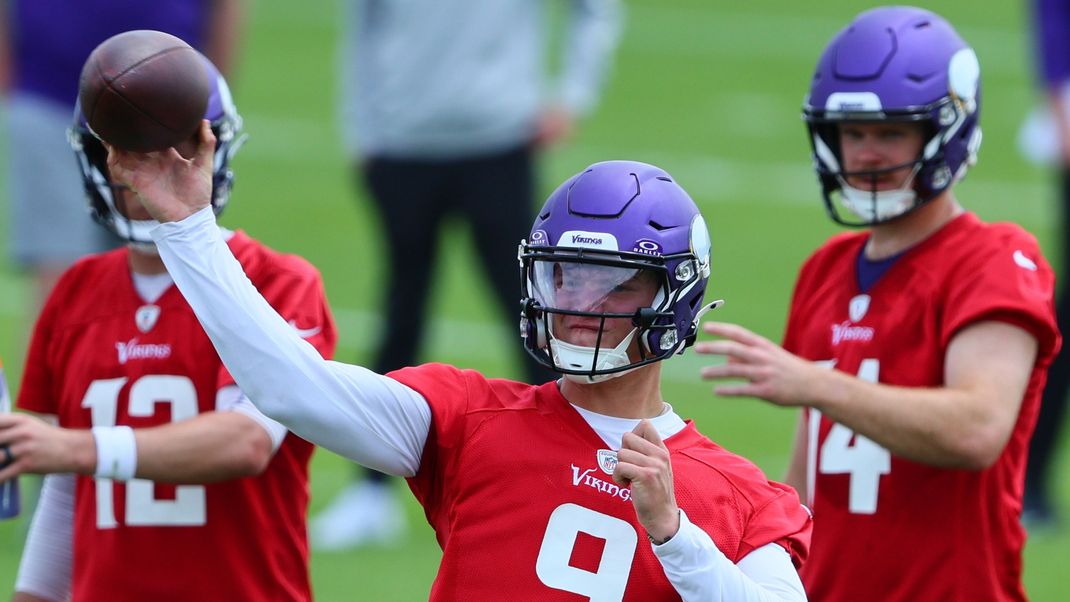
156	448
1045	138
918	347
43	45
444	105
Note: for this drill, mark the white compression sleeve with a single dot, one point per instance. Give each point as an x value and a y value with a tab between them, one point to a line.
700	571
45	570
371	419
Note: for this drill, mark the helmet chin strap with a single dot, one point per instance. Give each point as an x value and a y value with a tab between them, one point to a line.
137	232
879	205
577	357
146	248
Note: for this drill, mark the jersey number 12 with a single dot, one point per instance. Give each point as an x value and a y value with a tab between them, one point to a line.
142	507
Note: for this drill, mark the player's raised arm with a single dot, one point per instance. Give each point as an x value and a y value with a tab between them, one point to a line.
350	410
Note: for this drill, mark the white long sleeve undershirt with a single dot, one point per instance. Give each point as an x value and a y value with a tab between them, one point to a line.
47	558
379	422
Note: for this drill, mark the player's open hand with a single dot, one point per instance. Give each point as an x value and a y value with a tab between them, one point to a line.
34	446
170	186
643	465
770	372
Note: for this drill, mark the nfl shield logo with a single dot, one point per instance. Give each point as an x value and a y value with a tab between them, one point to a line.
607	460
146	317
858	307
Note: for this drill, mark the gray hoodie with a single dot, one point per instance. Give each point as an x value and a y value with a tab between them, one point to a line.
445	79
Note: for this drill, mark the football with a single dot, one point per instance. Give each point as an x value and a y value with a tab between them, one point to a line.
144	90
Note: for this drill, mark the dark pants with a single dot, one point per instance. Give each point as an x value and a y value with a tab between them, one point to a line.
1053	404
494	194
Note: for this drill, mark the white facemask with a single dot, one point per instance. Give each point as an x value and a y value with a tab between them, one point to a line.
576	357
873	206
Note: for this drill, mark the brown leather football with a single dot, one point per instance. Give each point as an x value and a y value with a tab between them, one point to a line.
144	90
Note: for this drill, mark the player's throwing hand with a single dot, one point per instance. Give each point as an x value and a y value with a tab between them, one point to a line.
170	186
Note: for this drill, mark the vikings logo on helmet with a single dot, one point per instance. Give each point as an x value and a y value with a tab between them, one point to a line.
895	64
613	222
93	161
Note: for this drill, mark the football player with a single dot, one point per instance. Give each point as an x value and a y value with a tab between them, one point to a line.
918	347
168	454
587	486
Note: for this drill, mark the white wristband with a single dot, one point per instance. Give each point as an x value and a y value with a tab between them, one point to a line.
116	452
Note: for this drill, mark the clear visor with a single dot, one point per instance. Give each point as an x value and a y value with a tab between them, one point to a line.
595	288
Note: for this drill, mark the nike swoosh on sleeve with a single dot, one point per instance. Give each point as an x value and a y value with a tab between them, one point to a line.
305	333
1023	261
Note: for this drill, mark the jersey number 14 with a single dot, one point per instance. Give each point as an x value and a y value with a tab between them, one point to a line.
846	452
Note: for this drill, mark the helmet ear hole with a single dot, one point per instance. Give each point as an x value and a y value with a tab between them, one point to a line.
540	333
533	323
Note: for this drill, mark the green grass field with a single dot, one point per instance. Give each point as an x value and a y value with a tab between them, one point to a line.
709	91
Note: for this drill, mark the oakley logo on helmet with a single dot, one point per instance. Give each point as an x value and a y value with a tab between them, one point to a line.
539	238
647	247
588	240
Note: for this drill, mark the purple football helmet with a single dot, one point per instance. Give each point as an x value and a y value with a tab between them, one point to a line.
610	225
900	64
100	190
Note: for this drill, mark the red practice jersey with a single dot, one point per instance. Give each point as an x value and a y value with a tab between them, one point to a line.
887	528
101	356
519	491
